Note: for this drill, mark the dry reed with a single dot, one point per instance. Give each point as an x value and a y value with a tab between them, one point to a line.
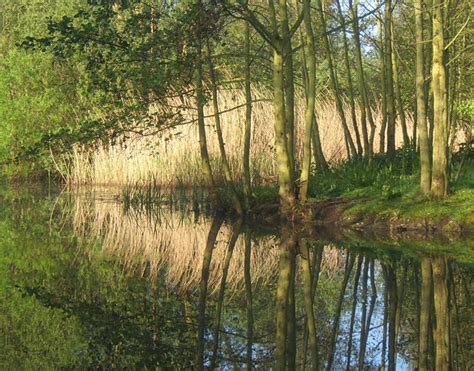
172	158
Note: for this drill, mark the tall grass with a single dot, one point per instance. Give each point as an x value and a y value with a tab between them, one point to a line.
172	158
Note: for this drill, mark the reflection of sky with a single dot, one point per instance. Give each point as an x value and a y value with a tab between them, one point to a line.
374	341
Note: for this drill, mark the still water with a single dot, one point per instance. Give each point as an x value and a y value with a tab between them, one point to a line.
88	283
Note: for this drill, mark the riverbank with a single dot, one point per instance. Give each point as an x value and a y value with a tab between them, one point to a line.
384	199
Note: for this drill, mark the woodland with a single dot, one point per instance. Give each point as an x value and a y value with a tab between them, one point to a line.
257	101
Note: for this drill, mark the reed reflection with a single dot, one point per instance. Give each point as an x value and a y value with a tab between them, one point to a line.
258	300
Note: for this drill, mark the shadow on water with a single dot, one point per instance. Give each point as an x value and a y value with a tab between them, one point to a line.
85	283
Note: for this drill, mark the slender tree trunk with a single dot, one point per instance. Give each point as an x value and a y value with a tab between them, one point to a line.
310	101
439	180
425	168
319	159
206	163
248	121
383	126
389	80
352	152
366	112
360	149
225	162
289	86
398	92
316	149
284	162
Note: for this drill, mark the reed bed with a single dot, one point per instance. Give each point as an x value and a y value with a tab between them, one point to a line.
171	159
171	246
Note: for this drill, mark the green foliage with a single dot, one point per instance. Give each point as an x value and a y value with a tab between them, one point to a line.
386	177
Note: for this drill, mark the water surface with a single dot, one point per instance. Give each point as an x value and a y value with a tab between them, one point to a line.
87	281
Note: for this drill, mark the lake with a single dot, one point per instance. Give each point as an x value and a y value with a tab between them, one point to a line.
90	282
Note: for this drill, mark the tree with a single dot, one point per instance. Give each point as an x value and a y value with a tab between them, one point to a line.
425	164
439	177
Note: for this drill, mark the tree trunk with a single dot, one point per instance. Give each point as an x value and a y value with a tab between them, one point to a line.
383	126
283	158
225	162
288	83
248	122
352	152
310	101
360	149
425	168
366	112
389	80
398	92
439	180
206	163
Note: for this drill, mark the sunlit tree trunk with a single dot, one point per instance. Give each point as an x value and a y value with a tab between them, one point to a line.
316	149
366	112
288	82
310	100
425	167
279	43
383	125
284	163
360	149
439	176
352	152
389	80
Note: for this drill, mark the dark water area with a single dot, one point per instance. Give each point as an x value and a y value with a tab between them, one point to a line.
87	282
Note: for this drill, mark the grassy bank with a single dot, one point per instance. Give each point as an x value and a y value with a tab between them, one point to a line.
391	190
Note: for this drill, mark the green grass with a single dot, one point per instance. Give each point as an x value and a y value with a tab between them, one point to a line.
391	189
